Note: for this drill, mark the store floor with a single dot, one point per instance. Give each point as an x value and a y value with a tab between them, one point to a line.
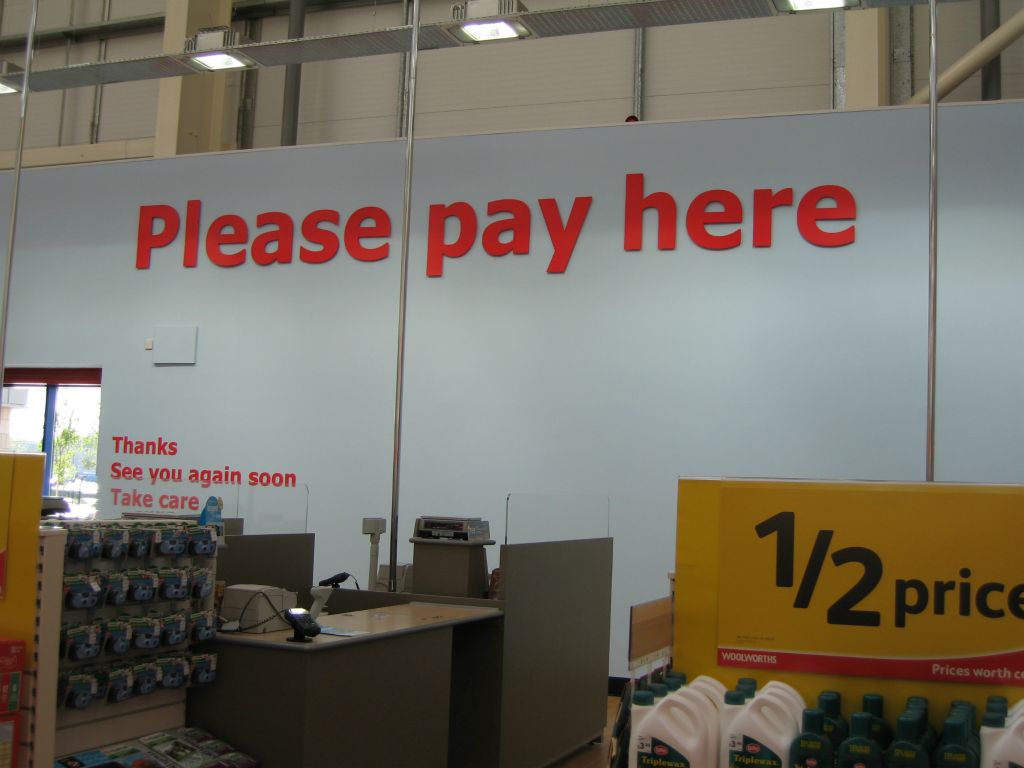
594	755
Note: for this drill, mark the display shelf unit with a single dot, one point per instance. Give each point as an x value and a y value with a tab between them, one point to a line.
50	730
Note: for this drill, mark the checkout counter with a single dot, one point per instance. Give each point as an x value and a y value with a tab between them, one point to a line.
421	680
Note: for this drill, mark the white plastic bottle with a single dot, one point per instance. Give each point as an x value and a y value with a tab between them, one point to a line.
709	722
674	735
789	696
711	688
1002	746
643	705
733	703
761	735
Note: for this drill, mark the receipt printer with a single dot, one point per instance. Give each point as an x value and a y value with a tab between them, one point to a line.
256	612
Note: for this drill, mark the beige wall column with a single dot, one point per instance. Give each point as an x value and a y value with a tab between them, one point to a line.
867	58
190	110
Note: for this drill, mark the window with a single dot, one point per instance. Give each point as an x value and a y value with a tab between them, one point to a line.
56	411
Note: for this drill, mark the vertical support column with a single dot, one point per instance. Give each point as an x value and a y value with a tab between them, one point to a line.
292	77
638	72
992	72
901	38
867	58
190	110
839	60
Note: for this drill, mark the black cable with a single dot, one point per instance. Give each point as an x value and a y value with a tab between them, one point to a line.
276	612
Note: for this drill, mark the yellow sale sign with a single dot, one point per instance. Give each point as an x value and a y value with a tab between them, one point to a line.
911	581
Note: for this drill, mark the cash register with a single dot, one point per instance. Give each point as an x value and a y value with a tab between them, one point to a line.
449	556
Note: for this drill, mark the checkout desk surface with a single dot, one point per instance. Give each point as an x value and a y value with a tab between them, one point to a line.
368	625
381	698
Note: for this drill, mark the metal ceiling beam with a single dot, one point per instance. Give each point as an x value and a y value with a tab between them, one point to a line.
242	10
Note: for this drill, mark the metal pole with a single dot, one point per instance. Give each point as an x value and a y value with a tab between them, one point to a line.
638	73
247	101
991	73
292	77
97	98
403	79
64	92
933	228
403	291
16	188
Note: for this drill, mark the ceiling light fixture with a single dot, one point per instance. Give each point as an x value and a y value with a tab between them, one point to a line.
795	6
211	50
11	77
481	21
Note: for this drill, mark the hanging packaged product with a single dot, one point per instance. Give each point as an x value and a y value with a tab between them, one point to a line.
202	626
76	690
174	629
812	748
174	671
859	749
761	734
204	668
146	632
82	591
174	584
120	683
115	588
171	540
203	581
142	584
117	636
83	543
140	541
147	677
82	642
202	540
113	542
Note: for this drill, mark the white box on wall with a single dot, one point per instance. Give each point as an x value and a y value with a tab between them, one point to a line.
175	345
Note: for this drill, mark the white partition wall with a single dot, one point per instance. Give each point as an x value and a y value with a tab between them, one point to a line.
611	378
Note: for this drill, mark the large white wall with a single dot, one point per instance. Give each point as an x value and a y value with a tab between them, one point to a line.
611	380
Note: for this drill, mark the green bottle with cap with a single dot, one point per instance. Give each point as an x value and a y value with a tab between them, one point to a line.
859	749
955	749
881	731
812	748
748	686
907	749
930	737
998	704
836	727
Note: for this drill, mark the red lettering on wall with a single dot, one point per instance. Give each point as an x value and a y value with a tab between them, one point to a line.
317	235
148	238
280	237
227	230
809	213
766	201
357	229
698	217
438	248
192	210
636	204
518	225
563	236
